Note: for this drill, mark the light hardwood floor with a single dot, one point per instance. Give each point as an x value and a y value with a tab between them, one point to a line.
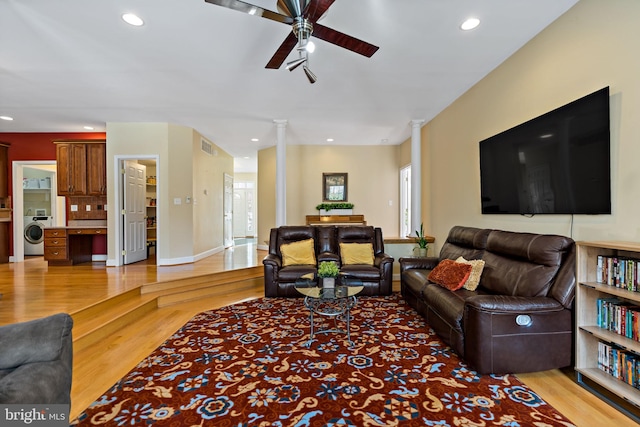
33	290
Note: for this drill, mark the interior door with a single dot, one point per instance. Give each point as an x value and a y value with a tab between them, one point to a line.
228	211
134	212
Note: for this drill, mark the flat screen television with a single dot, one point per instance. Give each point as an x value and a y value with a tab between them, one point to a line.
558	163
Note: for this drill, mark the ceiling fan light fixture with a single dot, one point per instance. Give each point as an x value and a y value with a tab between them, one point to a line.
307	47
295	63
312	77
310	46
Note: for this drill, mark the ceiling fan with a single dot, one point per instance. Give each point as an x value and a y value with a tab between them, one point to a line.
302	15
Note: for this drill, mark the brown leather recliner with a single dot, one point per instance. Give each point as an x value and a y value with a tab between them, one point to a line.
280	281
520	318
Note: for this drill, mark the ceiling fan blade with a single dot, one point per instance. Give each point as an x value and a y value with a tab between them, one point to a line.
252	10
283	51
343	40
316	8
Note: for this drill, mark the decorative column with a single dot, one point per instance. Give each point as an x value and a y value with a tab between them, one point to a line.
281	173
416	174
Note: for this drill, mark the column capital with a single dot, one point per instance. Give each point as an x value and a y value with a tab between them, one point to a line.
280	122
417	122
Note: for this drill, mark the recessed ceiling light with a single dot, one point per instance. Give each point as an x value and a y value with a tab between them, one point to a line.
132	19
246	157
254	140
329	139
88	127
6	118
470	24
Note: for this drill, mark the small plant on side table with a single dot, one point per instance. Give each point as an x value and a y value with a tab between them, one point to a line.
423	243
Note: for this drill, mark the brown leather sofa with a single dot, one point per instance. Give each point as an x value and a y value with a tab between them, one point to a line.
520	318
280	281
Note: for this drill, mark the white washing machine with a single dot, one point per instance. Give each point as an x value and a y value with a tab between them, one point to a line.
34	234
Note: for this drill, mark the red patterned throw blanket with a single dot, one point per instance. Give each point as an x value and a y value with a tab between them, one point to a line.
246	365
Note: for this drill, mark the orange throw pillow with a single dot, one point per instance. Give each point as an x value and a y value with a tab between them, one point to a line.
450	274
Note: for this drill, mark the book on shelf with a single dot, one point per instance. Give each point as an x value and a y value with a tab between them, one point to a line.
620	364
618	316
621	272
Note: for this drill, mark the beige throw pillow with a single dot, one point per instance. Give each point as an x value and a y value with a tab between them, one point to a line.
356	253
477	265
298	253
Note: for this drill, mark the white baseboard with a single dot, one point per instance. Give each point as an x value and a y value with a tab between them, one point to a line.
208	253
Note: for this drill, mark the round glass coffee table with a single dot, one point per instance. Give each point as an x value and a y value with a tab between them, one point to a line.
334	302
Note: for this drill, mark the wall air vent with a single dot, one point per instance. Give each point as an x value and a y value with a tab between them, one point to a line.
207	147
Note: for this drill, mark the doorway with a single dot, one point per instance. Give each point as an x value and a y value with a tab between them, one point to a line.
244	209
137	228
57	212
227	227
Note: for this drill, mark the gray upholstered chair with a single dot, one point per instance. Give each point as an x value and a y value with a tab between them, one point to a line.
36	359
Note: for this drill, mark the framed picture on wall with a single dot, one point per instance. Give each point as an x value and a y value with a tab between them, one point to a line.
334	187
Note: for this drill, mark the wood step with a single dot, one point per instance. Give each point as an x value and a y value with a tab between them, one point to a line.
93	323
98	309
204	280
184	294
113	320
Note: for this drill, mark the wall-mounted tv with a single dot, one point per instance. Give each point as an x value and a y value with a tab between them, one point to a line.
558	163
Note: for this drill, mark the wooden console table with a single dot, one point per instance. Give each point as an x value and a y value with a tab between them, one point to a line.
335	219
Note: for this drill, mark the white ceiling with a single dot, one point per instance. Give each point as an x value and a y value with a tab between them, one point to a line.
66	64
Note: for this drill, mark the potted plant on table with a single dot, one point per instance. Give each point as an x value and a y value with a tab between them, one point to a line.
423	243
342	208
328	271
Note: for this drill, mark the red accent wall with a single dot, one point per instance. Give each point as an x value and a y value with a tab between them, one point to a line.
40	146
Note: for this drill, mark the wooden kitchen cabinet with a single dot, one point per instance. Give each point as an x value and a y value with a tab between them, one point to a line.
96	169
81	168
71	160
4	171
5	204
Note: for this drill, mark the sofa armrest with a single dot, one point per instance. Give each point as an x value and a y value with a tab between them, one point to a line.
328	256
428	263
35	341
510	334
272	265
382	259
36	360
272	260
513	304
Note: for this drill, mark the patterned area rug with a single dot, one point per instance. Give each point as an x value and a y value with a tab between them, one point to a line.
246	365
